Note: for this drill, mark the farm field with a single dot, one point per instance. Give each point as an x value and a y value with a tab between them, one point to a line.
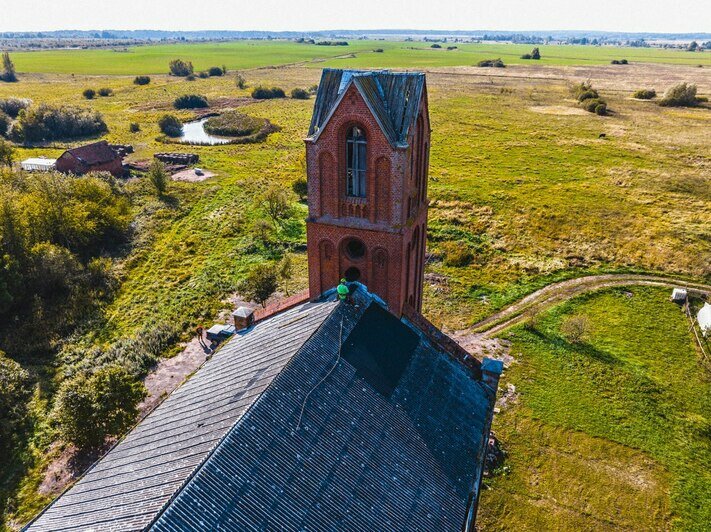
535	188
153	59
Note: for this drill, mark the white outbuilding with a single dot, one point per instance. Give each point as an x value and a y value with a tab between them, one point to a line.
704	319
38	164
679	295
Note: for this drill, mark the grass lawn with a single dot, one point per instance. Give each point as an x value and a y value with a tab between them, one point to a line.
153	59
610	433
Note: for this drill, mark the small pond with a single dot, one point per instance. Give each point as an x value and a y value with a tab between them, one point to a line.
194	133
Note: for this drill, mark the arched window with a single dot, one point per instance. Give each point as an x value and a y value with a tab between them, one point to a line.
355	162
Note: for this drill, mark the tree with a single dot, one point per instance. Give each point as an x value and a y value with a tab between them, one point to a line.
693	46
5	122
7	153
575	328
275	202
681	95
260	283
8	68
14	394
158	177
286	271
88	408
535	53
300	188
180	68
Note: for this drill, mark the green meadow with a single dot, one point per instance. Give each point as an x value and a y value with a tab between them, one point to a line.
536	190
153	59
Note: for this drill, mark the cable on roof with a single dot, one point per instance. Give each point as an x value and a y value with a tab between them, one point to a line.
338	359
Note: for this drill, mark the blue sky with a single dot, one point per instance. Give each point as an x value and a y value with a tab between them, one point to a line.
274	15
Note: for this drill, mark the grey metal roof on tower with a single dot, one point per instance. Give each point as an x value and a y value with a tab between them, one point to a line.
393	98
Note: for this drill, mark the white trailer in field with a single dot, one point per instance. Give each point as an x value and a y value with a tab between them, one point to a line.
38	164
704	319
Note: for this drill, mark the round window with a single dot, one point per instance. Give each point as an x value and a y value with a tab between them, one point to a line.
355	249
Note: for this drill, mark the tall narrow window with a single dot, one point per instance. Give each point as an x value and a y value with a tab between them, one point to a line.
355	162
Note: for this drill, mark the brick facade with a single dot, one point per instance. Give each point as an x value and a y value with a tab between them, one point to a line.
390	221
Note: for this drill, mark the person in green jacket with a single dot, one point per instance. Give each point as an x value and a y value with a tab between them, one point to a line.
343	291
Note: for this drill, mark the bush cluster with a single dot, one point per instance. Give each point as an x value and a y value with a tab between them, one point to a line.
378	50
332	43
496	63
535	54
141	80
89	94
300	94
233	124
450	48
681	95
190	101
589	98
171	125
266	93
619	62
13	106
216	71
46	122
180	68
644	94
435	45
105	91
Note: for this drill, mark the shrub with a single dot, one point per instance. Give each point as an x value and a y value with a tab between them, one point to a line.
456	254
584	91
275	201
575	328
215	71
496	63
89	94
203	75
170	125
435	45
13	106
526	56
190	101
261	282
644	94
681	95
180	68
15	391
46	122
300	94
233	124
265	93
190	77
88	408
4	124
141	80
104	91
535	54
134	127
300	188
158	177
8	69
595	105
450	48
240	81
378	50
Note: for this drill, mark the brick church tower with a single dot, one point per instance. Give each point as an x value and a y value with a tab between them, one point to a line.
367	163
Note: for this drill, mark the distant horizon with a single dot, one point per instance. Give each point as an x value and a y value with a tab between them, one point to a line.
618	16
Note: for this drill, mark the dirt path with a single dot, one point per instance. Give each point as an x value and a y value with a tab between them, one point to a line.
478	338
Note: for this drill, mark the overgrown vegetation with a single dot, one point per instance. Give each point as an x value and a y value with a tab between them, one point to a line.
535	54
266	93
89	94
300	94
681	95
497	63
171	125
260	284
13	106
644	94
141	80
105	91
180	68
8	73
619	62
233	124
190	101
45	122
589	98
158	177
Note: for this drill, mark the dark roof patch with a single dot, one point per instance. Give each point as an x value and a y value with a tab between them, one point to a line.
393	97
95	153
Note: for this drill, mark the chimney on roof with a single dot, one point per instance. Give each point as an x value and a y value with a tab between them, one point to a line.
243	317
